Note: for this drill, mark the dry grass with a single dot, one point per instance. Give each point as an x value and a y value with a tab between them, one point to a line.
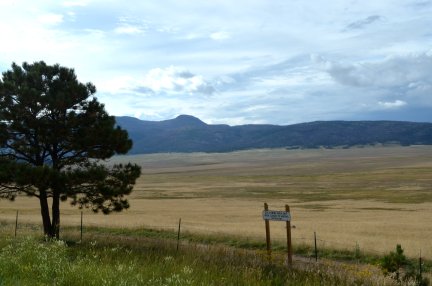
376	197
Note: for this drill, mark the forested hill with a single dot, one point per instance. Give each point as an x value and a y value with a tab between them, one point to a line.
189	134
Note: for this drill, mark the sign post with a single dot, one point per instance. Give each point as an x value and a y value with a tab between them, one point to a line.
278	216
267	228
288	227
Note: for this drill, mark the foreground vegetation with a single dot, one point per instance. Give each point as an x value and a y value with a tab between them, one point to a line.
30	261
124	256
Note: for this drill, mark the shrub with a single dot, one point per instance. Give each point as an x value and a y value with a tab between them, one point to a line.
401	269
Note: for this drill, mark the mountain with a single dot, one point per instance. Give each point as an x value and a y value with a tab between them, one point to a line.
189	134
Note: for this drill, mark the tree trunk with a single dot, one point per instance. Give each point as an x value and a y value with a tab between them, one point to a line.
55	225
45	214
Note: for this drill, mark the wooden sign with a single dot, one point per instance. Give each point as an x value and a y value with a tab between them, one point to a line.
278	216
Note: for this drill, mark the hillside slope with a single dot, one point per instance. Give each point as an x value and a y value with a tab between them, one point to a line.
189	134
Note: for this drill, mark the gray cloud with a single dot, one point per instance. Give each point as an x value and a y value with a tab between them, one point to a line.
411	72
422	4
280	73
143	90
397	85
360	24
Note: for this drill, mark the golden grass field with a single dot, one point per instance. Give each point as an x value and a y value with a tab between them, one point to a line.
375	197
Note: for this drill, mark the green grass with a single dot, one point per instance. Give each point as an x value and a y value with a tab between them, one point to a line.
29	261
149	257
356	254
169	238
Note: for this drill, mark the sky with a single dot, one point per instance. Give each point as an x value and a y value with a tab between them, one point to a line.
235	62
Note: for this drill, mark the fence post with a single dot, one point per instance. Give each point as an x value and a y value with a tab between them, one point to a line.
178	234
16	223
81	228
316	249
420	278
357	253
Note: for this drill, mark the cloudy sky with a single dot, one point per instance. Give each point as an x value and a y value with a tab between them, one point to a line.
235	62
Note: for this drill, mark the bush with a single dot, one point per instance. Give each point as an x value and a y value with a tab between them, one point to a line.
401	269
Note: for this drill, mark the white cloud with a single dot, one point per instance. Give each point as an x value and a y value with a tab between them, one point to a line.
128	29
51	19
7	2
219	36
192	36
117	84
176	80
133	25
81	3
255	108
392	105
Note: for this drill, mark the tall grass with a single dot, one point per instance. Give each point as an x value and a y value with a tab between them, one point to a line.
110	261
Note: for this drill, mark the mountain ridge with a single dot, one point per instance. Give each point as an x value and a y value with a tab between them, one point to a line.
187	133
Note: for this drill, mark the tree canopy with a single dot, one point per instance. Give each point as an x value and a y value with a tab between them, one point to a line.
54	134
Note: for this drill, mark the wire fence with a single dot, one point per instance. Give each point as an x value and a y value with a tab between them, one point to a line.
326	243
315	242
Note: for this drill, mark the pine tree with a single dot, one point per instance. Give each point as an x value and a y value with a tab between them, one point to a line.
54	134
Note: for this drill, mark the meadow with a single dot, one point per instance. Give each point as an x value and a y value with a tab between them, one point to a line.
369	198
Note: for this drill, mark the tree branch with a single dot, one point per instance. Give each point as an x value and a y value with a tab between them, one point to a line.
10	189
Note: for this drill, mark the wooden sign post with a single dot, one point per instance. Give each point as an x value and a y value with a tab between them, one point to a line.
269	215
267	228
288	227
